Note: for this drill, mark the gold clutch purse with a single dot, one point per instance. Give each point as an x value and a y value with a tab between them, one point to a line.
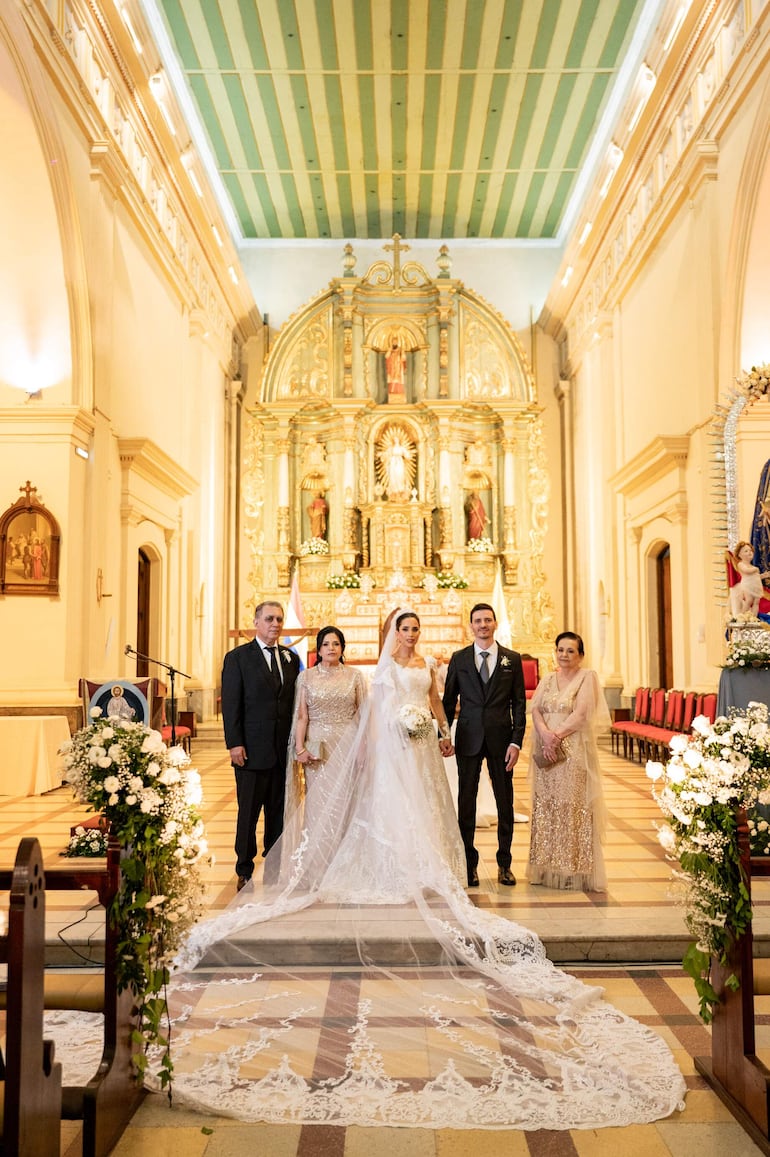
543	762
316	749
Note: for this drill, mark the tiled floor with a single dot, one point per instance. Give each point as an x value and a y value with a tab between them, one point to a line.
635	922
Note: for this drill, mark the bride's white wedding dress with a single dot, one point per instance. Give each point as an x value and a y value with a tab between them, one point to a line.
429	1012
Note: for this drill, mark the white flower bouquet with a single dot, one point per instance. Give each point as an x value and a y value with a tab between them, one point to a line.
87	842
149	795
314	546
712	774
416	721
480	545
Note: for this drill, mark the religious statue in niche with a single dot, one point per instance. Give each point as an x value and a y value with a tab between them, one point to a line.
395	370
317	512
396	462
476	515
29	547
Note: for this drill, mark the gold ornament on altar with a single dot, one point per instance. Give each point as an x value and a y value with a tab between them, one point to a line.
396	462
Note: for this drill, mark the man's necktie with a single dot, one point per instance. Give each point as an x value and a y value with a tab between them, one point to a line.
484	668
275	671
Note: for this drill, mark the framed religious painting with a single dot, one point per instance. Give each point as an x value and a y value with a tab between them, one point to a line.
29	547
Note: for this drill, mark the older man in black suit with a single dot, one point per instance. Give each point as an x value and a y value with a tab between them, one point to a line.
258	682
489	682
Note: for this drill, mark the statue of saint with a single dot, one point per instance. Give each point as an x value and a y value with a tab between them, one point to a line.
316	512
395	370
477	516
396	458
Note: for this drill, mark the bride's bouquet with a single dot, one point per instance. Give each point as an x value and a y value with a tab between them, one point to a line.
416	721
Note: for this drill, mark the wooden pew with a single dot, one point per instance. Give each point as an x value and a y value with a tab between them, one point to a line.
106	1103
31	1087
733	1070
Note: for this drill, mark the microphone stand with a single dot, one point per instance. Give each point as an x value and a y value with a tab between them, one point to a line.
172	673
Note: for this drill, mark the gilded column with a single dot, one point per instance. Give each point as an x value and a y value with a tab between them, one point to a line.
510	557
283	558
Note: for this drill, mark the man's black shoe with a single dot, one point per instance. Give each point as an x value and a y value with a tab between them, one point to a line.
242	882
505	876
473	878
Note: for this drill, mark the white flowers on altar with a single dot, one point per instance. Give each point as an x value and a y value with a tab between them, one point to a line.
480	545
416	721
314	546
713	775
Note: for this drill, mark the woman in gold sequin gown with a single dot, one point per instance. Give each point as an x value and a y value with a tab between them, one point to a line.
567	802
328	699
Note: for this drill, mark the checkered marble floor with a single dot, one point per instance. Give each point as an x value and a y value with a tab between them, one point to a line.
625	941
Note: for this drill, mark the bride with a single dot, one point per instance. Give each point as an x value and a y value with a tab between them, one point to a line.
427	1011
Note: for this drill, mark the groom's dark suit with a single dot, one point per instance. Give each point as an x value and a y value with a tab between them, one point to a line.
257	712
491	718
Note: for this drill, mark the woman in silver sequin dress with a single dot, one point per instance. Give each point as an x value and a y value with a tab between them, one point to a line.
568	708
328	699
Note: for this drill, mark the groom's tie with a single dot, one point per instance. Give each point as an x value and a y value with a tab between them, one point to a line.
484	668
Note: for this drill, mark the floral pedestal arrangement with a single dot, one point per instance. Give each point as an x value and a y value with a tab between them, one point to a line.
713	776
149	796
749	643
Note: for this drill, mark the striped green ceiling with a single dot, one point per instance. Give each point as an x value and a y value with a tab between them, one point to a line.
429	118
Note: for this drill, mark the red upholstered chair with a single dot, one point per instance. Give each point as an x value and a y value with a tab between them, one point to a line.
185	728
672	724
688	711
709	708
531	668
643	733
622	728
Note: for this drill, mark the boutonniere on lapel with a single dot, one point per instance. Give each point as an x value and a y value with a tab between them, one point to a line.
286	656
505	661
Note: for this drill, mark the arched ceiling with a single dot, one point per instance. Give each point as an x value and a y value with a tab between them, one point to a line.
430	118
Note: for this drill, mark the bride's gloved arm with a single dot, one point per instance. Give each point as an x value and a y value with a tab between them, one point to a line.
437	707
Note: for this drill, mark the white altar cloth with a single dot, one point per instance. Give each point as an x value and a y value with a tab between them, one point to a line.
29	760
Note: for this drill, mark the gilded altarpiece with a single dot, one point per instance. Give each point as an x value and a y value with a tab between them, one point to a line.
397	442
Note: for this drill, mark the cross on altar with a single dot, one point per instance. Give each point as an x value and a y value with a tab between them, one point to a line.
397	248
28	490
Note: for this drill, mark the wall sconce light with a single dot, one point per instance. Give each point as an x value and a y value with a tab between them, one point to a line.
100	591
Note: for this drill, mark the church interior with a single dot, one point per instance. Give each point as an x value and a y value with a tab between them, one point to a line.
357	304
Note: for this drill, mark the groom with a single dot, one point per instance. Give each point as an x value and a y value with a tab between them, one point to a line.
493	705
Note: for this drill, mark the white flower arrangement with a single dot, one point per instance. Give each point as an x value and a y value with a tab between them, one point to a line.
505	661
712	774
87	842
416	721
749	645
149	797
314	546
480	545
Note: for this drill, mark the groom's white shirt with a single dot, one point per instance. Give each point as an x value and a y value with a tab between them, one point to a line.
491	651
